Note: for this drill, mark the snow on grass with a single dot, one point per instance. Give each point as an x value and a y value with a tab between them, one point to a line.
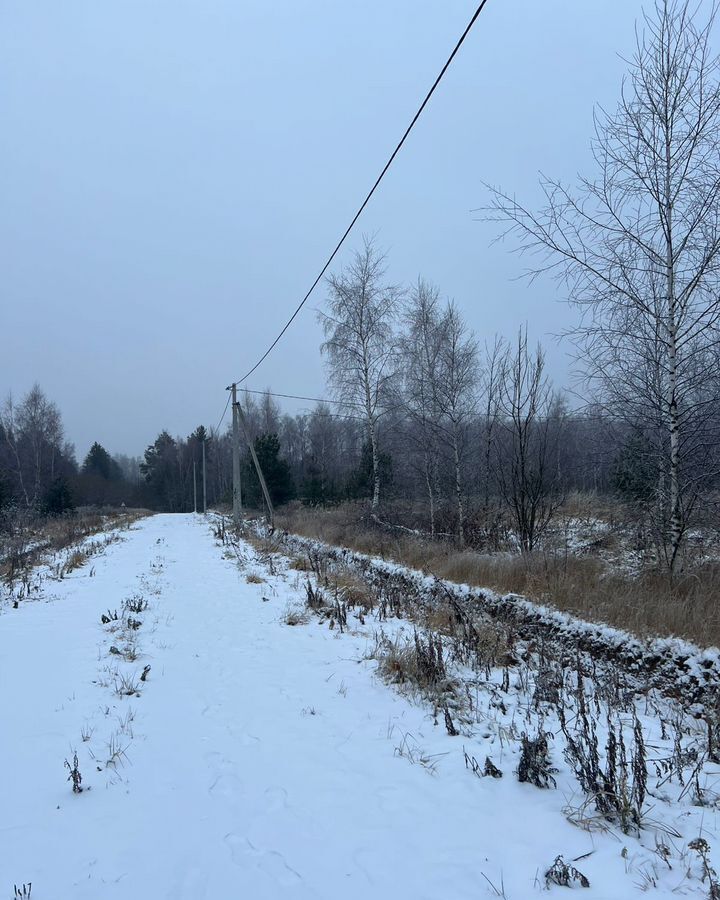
267	760
662	662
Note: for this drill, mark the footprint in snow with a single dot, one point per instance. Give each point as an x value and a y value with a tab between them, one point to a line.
188	884
271	862
277	798
226	785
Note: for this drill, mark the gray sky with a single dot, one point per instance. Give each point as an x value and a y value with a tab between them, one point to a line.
173	173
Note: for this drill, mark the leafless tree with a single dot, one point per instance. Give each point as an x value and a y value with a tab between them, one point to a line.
638	248
11	438
262	415
457	381
492	378
34	434
323	445
527	450
294	440
359	328
421	348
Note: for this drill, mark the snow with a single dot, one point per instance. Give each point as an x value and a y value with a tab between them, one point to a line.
264	760
667	663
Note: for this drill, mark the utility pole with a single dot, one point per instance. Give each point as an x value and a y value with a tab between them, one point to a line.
204	480
194	486
236	493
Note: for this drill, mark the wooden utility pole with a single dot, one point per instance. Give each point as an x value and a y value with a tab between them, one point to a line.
204	480
236	493
194	486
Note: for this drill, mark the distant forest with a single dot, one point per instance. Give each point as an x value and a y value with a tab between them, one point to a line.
426	425
322	457
440	433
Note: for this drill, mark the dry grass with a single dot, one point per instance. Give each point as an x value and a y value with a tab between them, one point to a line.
63	531
26	539
76	560
254	579
397	663
263	545
352	591
646	604
295	615
418	664
342	526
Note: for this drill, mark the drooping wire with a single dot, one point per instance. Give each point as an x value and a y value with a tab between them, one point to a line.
222	417
370	193
298	397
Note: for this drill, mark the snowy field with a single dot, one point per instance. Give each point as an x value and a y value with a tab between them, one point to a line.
225	753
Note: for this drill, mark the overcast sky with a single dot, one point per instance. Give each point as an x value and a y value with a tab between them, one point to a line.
173	174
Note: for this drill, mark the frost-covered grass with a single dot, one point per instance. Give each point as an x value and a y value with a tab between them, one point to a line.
672	664
631	764
601	569
32	546
382	746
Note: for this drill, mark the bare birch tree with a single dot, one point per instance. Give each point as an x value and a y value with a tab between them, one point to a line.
34	434
457	397
11	437
360	343
638	248
525	470
420	349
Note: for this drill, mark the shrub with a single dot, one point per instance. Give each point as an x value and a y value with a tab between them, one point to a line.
74	775
295	615
535	765
618	786
564	874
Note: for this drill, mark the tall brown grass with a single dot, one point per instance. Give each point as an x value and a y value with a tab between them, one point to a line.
27	539
646	604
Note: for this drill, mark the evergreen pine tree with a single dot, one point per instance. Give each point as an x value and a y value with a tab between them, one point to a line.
58	498
99	462
276	471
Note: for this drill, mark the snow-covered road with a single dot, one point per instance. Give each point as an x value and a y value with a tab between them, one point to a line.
258	761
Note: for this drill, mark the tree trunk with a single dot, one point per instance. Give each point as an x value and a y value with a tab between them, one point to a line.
430	492
458	492
13	446
376	465
486	476
673	418
371	432
38	473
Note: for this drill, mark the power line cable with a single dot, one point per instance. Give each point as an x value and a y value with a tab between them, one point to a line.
295	397
371	192
222	417
361	406
298	397
336	416
577	415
